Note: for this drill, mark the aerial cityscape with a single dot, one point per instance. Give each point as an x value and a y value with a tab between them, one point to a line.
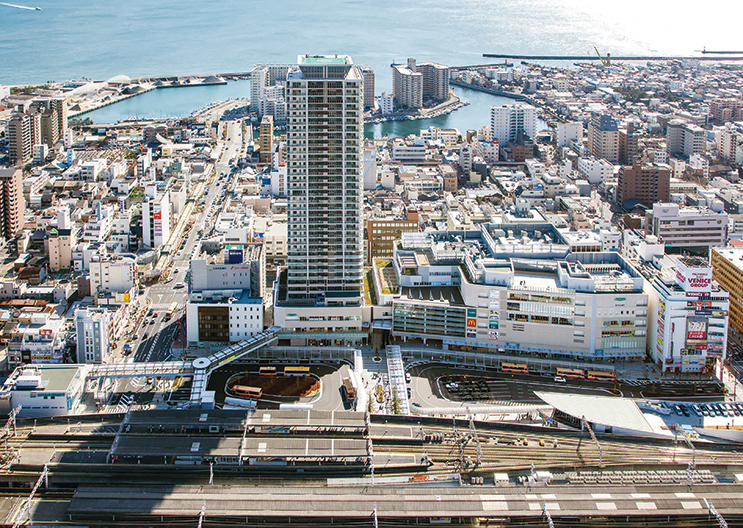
495	286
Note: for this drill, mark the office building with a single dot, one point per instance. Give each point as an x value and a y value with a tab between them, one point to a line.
325	134
266	138
12	204
646	184
727	270
686	229
603	137
368	74
92	326
235	267
688	318
223	316
684	139
381	234
507	120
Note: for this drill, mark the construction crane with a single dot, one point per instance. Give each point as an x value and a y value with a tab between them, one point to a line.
606	61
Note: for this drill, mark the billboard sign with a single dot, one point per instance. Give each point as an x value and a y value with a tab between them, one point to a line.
696	329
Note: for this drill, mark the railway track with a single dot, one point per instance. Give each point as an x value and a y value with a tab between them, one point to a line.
517	451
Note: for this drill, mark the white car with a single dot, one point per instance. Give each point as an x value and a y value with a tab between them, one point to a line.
560	379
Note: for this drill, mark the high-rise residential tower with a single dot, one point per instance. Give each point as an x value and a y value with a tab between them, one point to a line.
325	171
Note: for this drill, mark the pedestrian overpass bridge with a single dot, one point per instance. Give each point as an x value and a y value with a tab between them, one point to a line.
199	369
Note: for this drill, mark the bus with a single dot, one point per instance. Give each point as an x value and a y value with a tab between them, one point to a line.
296	371
520	368
571	373
267	371
600	376
348	389
171	310
250	392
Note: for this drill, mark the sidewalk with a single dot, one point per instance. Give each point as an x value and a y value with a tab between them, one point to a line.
732	384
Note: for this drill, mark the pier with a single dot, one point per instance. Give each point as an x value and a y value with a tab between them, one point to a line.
581	58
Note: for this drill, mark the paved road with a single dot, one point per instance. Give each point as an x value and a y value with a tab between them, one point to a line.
161	334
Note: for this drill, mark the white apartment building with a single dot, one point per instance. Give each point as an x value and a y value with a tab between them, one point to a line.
386	103
155	218
92	325
370	168
143	162
567	132
112	274
595	170
465	157
689	318
93	170
507	120
98	226
489	151
684	139
407	85
680	227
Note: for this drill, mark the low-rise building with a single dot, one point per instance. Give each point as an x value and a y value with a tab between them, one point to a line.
40	391
686	228
223	316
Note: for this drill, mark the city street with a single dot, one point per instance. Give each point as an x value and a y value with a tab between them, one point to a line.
160	335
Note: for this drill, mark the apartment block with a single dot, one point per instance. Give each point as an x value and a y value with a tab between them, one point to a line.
646	184
368	74
506	121
603	137
266	138
684	139
12	204
325	163
727	270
